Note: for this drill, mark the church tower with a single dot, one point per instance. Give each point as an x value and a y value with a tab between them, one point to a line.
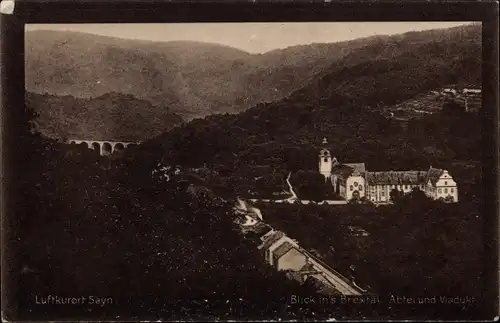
325	161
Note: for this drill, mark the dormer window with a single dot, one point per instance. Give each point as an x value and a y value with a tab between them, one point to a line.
326	159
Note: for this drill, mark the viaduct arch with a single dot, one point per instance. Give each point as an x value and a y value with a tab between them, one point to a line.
105	147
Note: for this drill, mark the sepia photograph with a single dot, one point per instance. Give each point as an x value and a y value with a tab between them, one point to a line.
252	170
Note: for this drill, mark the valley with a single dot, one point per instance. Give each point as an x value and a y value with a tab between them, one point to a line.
194	79
205	128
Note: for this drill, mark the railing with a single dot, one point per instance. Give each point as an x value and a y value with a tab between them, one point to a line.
344	282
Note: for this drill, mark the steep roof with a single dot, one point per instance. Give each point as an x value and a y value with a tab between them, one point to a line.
281	250
359	167
411	177
261	228
271	240
342	170
346	170
267	234
433	175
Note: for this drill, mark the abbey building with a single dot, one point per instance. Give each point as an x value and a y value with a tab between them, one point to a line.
352	180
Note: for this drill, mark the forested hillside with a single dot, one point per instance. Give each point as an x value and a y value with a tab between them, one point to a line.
85	225
91	225
400	67
111	116
196	79
286	136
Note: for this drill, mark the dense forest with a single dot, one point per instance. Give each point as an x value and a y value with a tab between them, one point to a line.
267	142
87	226
112	116
106	227
196	79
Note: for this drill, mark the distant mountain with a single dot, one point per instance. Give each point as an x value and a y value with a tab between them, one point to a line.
86	66
112	116
400	67
193	79
342	103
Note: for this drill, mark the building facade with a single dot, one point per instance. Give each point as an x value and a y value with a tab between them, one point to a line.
353	181
284	254
272	241
325	163
288	257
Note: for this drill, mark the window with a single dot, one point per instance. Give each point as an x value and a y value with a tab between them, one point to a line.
445	183
406	187
326	159
360	187
439	190
451	190
351	188
382	193
446	191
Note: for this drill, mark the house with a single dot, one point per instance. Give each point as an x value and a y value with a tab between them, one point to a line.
258	229
440	185
449	91
288	257
267	234
348	180
272	241
284	254
472	91
353	181
269	238
380	184
268	242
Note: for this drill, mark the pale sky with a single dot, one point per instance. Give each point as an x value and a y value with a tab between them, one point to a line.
251	37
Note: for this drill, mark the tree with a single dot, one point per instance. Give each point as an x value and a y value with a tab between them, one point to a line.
396	195
293	159
310	185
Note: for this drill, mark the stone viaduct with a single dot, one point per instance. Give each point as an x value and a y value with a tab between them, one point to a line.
105	147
